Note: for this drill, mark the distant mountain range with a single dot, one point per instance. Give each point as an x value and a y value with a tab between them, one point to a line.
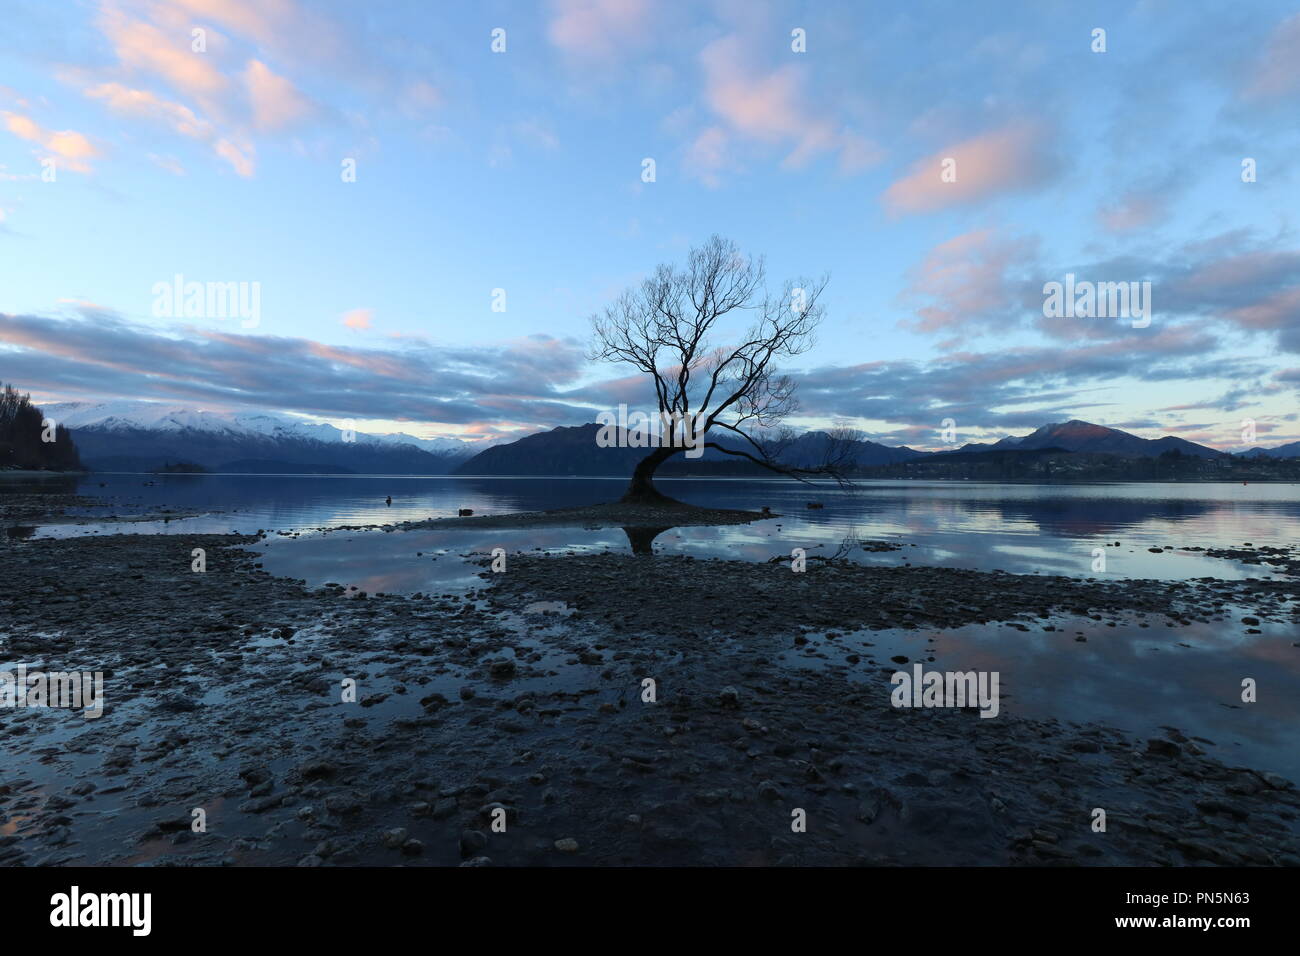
1281	451
572	450
145	436
1078	436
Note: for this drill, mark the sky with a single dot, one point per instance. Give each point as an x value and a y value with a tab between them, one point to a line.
430	199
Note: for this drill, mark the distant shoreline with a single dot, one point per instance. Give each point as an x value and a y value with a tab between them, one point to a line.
27	472
825	483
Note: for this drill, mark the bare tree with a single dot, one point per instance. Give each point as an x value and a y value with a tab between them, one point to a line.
665	328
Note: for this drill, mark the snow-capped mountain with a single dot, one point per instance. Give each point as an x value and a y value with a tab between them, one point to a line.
107	416
134	435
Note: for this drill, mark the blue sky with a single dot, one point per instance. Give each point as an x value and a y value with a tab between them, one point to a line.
522	170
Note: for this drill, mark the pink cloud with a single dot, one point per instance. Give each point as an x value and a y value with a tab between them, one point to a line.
143	104
1004	160
68	148
146	105
277	103
1243	270
769	107
1133	210
146	48
1280	310
597	29
292	30
358	319
965	281
1277	74
207	94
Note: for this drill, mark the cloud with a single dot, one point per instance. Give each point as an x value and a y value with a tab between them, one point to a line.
1013	158
707	156
1146	203
1276	74
1242	282
421	96
523	382
181	119
170	163
541	380
277	103
237	157
1135	209
967	283
68	148
143	104
768	107
1252	285
358	319
597	29
293	30
218	95
982	389
143	47
537	132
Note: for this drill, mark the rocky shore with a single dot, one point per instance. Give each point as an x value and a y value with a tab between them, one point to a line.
525	701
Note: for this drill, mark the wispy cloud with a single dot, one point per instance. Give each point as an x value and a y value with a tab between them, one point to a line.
142	104
68	148
1013	158
970	283
277	103
769	107
1276	74
598	29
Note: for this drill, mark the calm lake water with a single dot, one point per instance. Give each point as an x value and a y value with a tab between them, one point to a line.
1024	528
1134	676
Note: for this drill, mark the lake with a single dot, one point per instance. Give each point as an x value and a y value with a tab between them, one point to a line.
1023	528
1138	676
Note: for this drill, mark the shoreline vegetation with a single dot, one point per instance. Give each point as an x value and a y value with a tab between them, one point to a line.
29	440
526	694
36	472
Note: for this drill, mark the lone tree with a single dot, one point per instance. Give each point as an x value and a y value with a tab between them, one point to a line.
664	329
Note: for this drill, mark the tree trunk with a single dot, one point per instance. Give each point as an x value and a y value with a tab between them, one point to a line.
641	489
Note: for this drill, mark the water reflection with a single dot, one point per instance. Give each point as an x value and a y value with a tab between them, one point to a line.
641	540
1137	676
1051	527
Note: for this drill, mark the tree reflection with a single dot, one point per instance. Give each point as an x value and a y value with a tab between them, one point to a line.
641	539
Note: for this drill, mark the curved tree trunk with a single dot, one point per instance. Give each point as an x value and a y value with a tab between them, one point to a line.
641	489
